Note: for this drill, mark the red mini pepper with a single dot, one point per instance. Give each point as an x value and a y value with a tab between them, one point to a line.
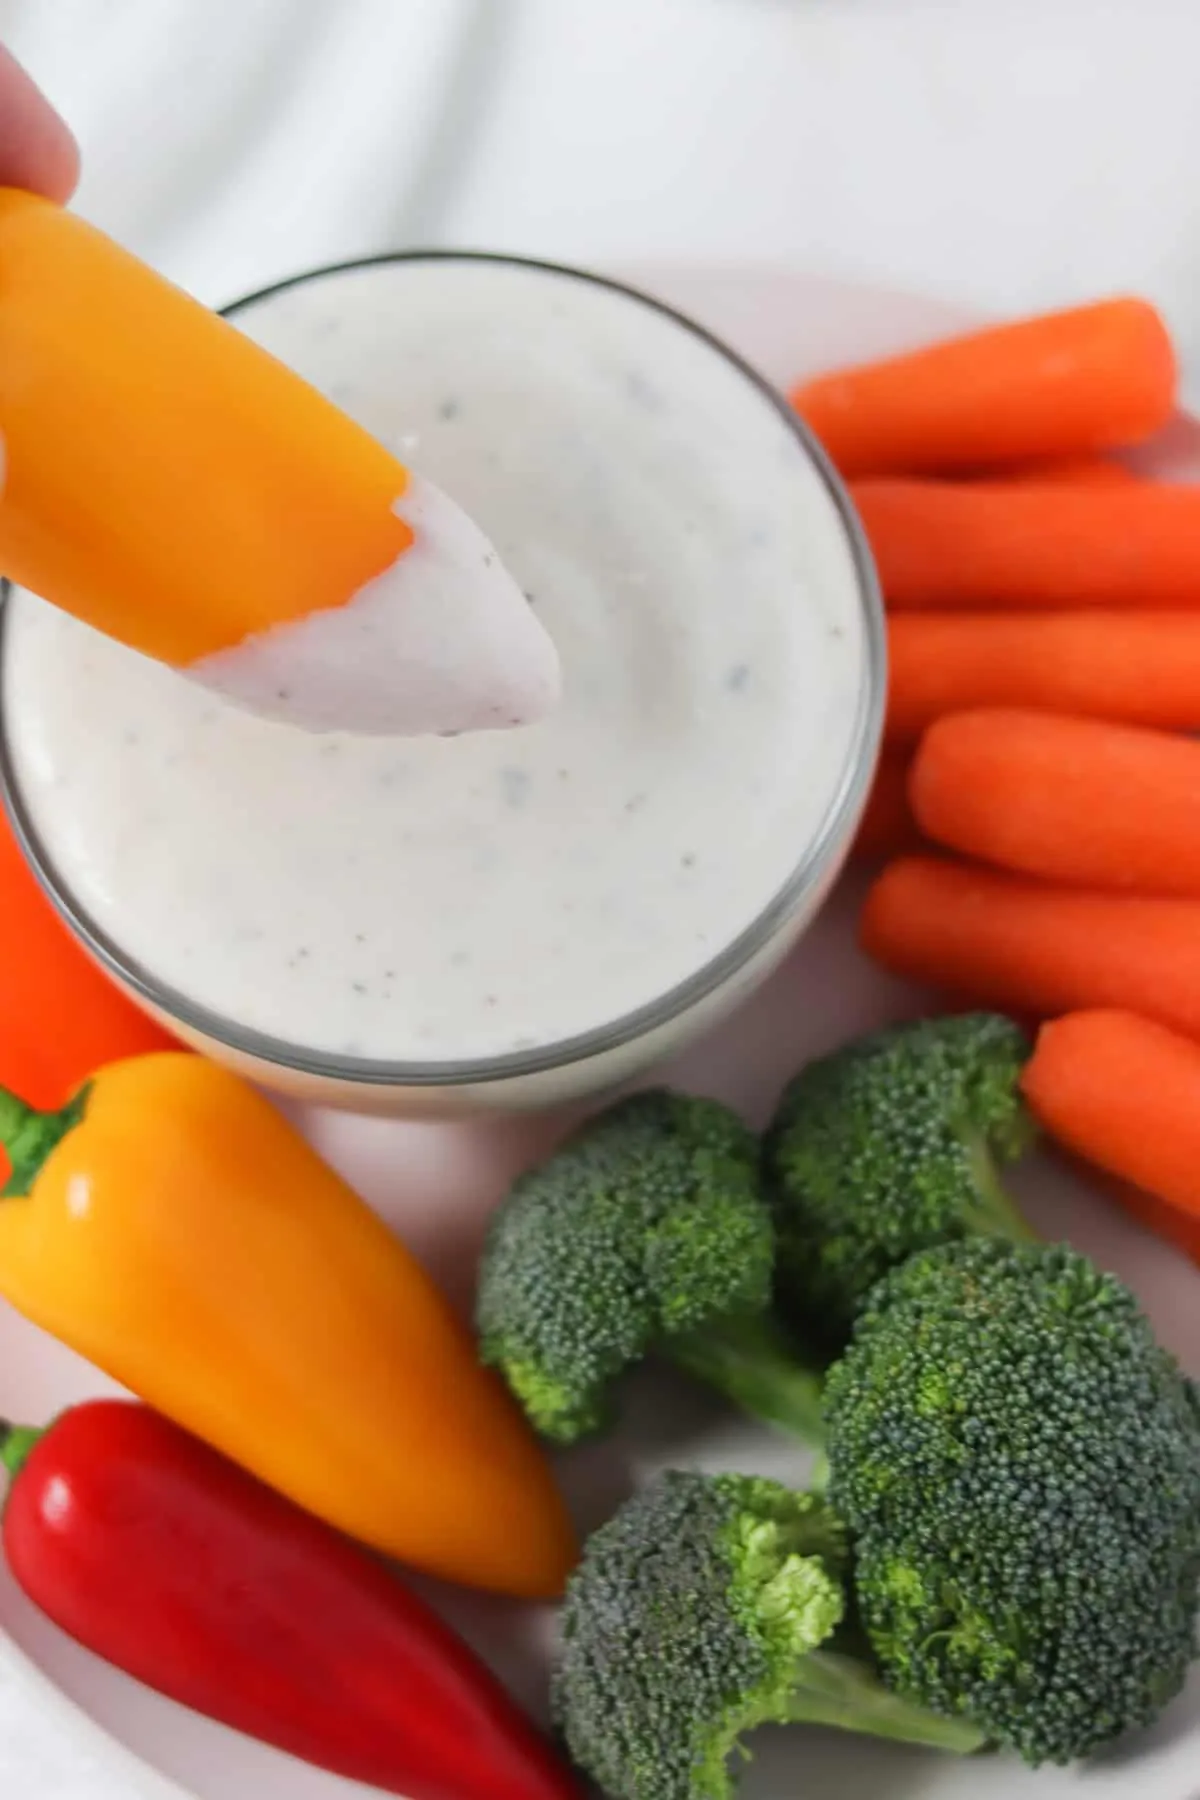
174	1564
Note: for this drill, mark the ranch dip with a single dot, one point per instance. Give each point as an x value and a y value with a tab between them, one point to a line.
437	899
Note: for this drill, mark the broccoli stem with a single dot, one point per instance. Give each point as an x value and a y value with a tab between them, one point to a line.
820	1473
840	1691
997	1213
751	1362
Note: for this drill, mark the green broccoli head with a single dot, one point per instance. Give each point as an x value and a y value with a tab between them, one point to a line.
708	1606
1019	1464
887	1147
648	1224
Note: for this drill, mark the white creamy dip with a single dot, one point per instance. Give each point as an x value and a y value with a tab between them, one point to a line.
434	899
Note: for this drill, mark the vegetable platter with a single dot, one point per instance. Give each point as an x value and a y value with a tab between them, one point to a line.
438	1188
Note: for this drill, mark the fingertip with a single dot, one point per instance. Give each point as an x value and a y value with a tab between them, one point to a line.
62	170
37	149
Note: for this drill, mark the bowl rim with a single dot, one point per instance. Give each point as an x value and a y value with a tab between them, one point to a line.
821	857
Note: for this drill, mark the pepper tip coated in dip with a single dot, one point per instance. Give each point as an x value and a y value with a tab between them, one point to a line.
167	480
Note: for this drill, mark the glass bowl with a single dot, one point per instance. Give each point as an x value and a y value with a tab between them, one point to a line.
584	1065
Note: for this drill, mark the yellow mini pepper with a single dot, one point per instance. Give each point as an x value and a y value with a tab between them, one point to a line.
171	1226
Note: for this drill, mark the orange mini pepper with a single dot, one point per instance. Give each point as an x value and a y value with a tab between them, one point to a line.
145	436
171	1226
60	1014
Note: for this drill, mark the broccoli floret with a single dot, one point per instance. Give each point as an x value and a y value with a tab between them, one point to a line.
647	1231
889	1146
1018	1462
710	1605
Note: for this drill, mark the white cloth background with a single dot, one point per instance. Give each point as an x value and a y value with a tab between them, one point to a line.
1011	153
1005	151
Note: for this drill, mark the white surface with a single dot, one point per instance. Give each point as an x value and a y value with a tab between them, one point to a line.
437	1183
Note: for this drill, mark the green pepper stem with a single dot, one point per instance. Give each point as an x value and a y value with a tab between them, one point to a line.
16	1443
28	1136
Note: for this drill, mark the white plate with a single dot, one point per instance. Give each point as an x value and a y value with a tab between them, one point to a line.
437	1183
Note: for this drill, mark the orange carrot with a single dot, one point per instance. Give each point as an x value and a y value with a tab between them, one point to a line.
1140	668
1025	946
887	827
1090	378
1074	471
953	544
1073	800
1124	1093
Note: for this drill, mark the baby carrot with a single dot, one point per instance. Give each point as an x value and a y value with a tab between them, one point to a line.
1073	471
1025	946
887	827
954	544
1142	668
1124	1093
1090	378
1073	800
